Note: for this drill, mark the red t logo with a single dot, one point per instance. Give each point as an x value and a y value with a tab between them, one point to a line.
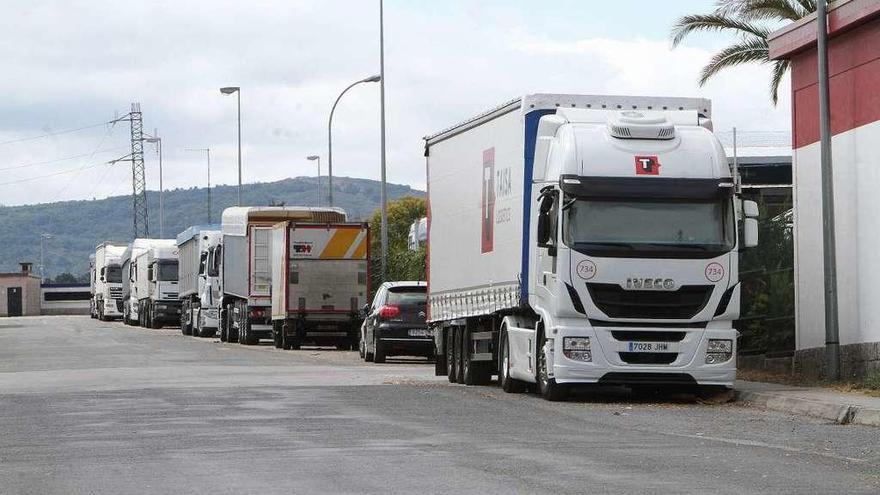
647	165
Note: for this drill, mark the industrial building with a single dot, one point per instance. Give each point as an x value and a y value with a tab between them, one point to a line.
854	85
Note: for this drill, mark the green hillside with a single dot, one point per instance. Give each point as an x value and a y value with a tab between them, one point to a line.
78	226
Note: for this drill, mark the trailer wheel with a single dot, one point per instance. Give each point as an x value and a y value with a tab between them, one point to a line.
277	338
547	387
231	332
508	384
222	324
451	356
473	372
379	352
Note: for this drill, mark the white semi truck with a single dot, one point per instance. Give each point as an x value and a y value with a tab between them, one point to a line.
585	239
199	280
320	280
246	267
107	281
155	286
130	298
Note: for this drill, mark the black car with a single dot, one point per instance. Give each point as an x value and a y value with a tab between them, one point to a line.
395	324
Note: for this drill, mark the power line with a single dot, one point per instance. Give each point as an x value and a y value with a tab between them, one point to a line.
72	157
49	134
19	181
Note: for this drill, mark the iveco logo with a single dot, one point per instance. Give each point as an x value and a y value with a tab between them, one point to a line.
650	284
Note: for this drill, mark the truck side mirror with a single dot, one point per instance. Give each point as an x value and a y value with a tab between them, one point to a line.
365	310
750	232
150	274
750	209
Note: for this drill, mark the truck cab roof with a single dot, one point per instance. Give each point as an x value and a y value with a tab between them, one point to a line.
236	219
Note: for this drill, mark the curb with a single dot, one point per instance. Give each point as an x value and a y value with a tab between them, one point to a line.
839	413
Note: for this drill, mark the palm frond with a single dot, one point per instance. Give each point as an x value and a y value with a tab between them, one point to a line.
780	68
753	10
749	50
688	24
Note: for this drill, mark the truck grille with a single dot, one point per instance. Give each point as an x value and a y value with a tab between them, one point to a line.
683	303
648	357
115	292
647	336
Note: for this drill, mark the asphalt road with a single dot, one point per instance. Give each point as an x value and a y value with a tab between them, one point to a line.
89	407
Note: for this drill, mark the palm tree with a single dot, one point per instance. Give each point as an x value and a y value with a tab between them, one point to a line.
748	20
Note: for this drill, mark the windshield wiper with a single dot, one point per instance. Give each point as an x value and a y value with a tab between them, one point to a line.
701	247
590	244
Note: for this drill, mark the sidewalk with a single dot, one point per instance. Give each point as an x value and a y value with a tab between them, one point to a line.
824	403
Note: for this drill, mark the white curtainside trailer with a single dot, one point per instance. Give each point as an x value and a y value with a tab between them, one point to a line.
578	239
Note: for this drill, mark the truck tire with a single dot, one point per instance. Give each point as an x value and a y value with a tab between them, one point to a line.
277	334
231	331
362	348
451	359
222	324
547	387
379	352
368	356
473	372
508	384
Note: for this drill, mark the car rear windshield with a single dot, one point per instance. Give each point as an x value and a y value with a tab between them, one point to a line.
407	295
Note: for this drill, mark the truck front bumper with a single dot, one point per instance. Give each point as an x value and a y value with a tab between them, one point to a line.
611	363
111	309
209	318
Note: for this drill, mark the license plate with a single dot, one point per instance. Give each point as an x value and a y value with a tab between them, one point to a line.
419	332
650	347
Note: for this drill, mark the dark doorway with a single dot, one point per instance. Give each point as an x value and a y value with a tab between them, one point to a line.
13	301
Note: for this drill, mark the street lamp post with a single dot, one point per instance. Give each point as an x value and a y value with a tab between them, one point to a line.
317	158
158	142
42	259
384	227
208	153
375	78
228	91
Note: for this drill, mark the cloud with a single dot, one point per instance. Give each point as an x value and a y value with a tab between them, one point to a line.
77	63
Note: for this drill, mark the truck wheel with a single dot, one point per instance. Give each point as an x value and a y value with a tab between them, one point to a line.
277	330
547	387
473	372
231	332
368	356
362	348
379	352
223	337
451	359
440	366
508	384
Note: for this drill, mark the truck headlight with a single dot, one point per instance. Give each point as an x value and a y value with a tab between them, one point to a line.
719	351
577	348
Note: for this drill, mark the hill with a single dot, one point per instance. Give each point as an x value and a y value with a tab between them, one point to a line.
78	226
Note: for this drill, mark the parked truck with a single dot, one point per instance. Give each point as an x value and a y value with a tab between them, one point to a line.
130	306
107	281
93	308
246	267
156	286
320	280
585	239
198	280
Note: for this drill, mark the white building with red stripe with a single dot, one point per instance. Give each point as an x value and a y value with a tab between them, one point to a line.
854	71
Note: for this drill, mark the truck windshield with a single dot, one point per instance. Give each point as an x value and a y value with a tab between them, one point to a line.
652	228
114	274
168	271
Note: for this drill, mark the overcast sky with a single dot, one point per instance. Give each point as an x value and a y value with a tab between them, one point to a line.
69	64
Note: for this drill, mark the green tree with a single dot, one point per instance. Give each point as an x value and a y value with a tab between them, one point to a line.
403	263
750	22
65	278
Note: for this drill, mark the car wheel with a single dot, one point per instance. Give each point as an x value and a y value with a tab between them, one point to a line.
379	351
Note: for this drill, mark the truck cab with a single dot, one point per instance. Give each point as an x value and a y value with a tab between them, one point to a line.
157	286
636	268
